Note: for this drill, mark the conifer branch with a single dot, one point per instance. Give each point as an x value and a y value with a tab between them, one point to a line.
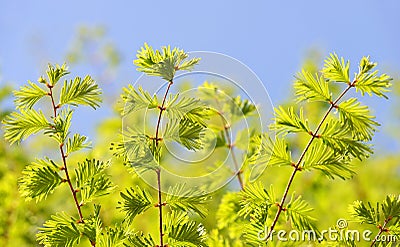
296	167
64	159
165	64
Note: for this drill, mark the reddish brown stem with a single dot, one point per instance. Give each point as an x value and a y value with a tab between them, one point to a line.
64	160
381	230
158	171
296	166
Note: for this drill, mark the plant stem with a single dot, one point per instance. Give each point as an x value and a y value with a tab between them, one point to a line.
297	165
238	172
226	127
381	230
71	187
65	167
160	212
162	109
158	171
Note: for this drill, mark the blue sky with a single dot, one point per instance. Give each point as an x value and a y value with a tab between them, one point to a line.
271	37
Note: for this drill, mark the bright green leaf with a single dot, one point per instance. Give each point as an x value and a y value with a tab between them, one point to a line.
20	125
311	87
135	201
27	96
39	179
336	69
187	200
81	92
61	231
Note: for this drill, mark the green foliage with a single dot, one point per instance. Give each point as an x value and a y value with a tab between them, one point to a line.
187	200
112	237
340	140
20	125
59	130
92	180
331	148
135	201
135	100
370	82
186	109
357	119
163	63
28	95
39	179
144	152
62	230
256	198
297	211
336	69
274	153
311	87
287	121
92	226
186	133
215	239
81	92
255	232
366	213
384	216
54	74
43	176
181	231
326	160
77	143
240	107
228	210
136	149
140	240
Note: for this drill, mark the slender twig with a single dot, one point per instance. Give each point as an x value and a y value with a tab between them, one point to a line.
160	205
297	164
52	100
64	160
382	229
231	146
162	109
158	171
226	126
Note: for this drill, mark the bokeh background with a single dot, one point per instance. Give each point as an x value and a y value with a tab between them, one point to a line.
274	38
